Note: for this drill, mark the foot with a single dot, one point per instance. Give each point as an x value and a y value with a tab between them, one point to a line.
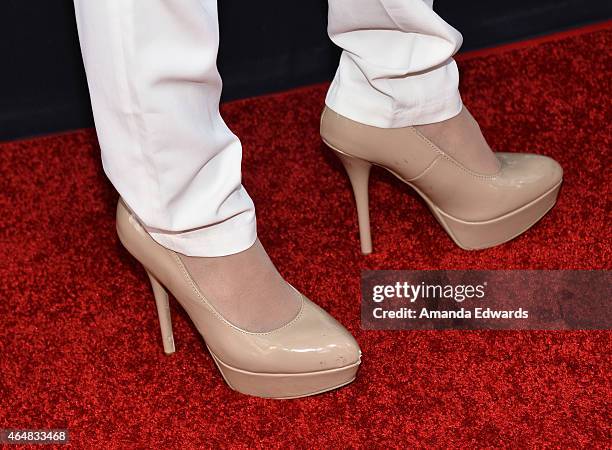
246	288
477	211
462	139
311	354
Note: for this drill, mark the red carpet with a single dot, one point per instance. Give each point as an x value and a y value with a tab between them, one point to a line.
79	337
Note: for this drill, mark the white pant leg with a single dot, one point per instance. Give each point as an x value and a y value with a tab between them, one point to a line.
396	68
155	88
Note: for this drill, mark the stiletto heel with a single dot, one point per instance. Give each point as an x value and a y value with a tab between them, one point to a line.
163	312
358	172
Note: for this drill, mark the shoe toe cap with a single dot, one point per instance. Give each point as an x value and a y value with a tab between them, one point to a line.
332	346
316	341
533	174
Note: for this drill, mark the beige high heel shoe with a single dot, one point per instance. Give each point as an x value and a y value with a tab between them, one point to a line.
311	354
476	210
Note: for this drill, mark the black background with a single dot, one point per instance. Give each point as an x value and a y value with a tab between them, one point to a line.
266	46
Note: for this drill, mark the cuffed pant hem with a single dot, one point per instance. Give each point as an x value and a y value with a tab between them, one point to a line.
435	110
217	240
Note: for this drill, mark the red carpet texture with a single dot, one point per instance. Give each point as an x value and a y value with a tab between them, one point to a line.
79	338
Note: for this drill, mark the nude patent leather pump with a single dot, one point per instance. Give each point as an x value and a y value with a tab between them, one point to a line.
311	354
476	210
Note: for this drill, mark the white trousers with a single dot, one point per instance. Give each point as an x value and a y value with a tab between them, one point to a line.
155	89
